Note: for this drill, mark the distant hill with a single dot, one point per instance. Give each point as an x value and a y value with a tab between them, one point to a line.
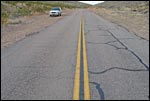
71	3
119	4
135	6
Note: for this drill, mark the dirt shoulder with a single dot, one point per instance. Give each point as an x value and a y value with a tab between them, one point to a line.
134	22
19	28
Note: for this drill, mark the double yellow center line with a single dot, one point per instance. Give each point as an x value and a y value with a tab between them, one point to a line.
81	82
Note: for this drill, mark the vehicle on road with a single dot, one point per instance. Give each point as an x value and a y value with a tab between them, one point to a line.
55	11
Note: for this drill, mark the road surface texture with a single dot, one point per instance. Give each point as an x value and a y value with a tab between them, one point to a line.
42	66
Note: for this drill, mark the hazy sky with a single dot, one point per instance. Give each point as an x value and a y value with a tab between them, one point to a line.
91	2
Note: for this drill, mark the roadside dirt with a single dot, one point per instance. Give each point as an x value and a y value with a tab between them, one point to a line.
134	22
19	28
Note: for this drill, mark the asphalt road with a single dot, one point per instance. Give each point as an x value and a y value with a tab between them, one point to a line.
42	66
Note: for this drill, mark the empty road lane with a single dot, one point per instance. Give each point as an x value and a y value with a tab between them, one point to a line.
118	61
81	56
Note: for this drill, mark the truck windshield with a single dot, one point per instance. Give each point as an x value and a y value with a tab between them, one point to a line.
55	9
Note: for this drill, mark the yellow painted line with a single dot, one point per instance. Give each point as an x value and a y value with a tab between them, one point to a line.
76	92
77	72
86	79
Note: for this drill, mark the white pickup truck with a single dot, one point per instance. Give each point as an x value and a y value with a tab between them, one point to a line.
55	11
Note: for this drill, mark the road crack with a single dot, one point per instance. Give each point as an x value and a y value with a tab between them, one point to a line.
132	32
112	68
99	89
132	52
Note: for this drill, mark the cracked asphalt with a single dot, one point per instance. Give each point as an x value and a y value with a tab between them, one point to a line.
42	66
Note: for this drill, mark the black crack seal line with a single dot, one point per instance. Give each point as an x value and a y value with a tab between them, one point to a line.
99	89
112	68
140	60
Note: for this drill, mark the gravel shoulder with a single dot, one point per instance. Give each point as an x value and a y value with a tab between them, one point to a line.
21	27
132	21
